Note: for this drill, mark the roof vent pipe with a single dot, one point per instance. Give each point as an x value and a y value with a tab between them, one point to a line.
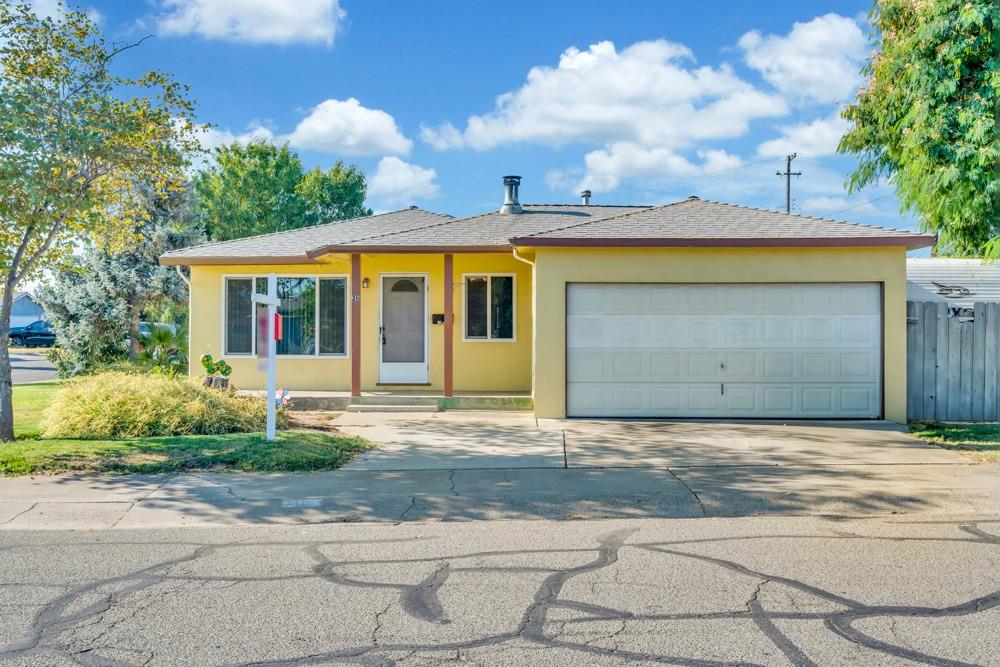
585	197
510	202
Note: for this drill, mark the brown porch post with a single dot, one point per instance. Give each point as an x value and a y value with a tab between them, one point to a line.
355	325
449	324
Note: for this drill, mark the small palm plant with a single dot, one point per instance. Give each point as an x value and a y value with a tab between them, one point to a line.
164	349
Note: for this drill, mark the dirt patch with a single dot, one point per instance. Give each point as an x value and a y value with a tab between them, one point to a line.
318	420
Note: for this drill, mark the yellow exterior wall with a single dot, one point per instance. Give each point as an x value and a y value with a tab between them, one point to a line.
478	366
557	266
205	333
494	365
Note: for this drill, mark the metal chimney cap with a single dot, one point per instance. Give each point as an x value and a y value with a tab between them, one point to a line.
585	193
511	184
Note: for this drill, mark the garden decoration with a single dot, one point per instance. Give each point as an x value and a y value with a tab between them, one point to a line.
216	372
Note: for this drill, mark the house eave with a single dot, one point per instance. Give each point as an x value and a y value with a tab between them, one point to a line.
910	242
221	261
405	250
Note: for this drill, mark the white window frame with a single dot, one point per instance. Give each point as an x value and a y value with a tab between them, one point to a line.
488	338
346	354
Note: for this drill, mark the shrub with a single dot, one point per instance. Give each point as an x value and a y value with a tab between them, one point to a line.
129	405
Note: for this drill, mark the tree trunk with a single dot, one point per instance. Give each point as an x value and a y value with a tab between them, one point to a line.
134	347
6	372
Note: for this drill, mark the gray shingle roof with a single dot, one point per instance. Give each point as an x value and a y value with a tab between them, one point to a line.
689	222
694	219
293	245
492	229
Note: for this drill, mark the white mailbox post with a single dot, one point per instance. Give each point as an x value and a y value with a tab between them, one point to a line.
271	301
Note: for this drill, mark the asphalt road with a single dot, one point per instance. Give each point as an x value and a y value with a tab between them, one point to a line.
769	591
31	367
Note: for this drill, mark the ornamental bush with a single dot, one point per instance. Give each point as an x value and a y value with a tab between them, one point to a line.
132	405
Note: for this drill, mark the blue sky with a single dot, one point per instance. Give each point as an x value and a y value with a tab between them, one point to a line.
642	102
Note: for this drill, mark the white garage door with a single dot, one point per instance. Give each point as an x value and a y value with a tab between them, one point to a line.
746	350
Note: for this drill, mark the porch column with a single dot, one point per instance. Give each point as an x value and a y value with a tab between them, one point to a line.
355	325
449	324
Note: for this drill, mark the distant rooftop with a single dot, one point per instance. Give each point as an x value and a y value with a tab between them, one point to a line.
959	282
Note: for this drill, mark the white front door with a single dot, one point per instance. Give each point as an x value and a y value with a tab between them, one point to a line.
740	350
403	330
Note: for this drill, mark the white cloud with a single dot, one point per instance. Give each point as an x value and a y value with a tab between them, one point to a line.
396	181
649	106
650	94
254	21
817	61
607	167
443	137
212	137
346	127
815	139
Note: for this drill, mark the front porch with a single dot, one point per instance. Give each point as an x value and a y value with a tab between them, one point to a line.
406	401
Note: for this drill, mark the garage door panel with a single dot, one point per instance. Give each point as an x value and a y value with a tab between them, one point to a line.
670	331
629	365
729	351
703	298
664	366
668	300
743	298
742	365
743	332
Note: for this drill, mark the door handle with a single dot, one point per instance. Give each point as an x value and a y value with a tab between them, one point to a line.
381	332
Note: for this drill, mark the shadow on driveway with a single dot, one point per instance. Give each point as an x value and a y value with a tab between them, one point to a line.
482	466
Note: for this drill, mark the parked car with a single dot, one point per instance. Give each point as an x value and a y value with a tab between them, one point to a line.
38	333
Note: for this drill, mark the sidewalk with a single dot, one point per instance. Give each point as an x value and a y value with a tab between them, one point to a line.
94	502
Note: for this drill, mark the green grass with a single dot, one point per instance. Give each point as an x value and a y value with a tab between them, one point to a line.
295	450
30	401
980	442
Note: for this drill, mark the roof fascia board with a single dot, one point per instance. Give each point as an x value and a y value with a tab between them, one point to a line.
910	242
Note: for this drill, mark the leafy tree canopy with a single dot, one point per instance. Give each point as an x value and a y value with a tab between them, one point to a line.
259	188
97	300
928	118
74	140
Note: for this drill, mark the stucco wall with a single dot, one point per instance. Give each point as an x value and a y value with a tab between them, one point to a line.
478	366
557	267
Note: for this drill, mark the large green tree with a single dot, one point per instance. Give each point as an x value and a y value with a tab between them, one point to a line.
928	120
259	188
97	301
74	139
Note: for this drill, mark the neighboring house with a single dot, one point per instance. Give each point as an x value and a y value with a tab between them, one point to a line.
958	282
25	310
692	309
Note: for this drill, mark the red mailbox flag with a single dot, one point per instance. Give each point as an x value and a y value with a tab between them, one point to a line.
277	326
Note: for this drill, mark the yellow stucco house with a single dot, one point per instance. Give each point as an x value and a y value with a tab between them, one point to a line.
691	309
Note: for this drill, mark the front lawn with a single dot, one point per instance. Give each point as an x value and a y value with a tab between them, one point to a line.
980	442
295	450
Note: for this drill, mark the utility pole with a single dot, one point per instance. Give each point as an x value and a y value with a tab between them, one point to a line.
788	173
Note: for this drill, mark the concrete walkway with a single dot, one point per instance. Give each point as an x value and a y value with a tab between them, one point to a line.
475	466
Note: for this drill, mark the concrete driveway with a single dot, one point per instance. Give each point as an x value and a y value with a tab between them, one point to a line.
497	440
462	466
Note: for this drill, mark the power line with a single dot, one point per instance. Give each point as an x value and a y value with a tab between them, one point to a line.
864	203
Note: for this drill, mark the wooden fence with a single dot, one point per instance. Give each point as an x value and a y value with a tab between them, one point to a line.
952	363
